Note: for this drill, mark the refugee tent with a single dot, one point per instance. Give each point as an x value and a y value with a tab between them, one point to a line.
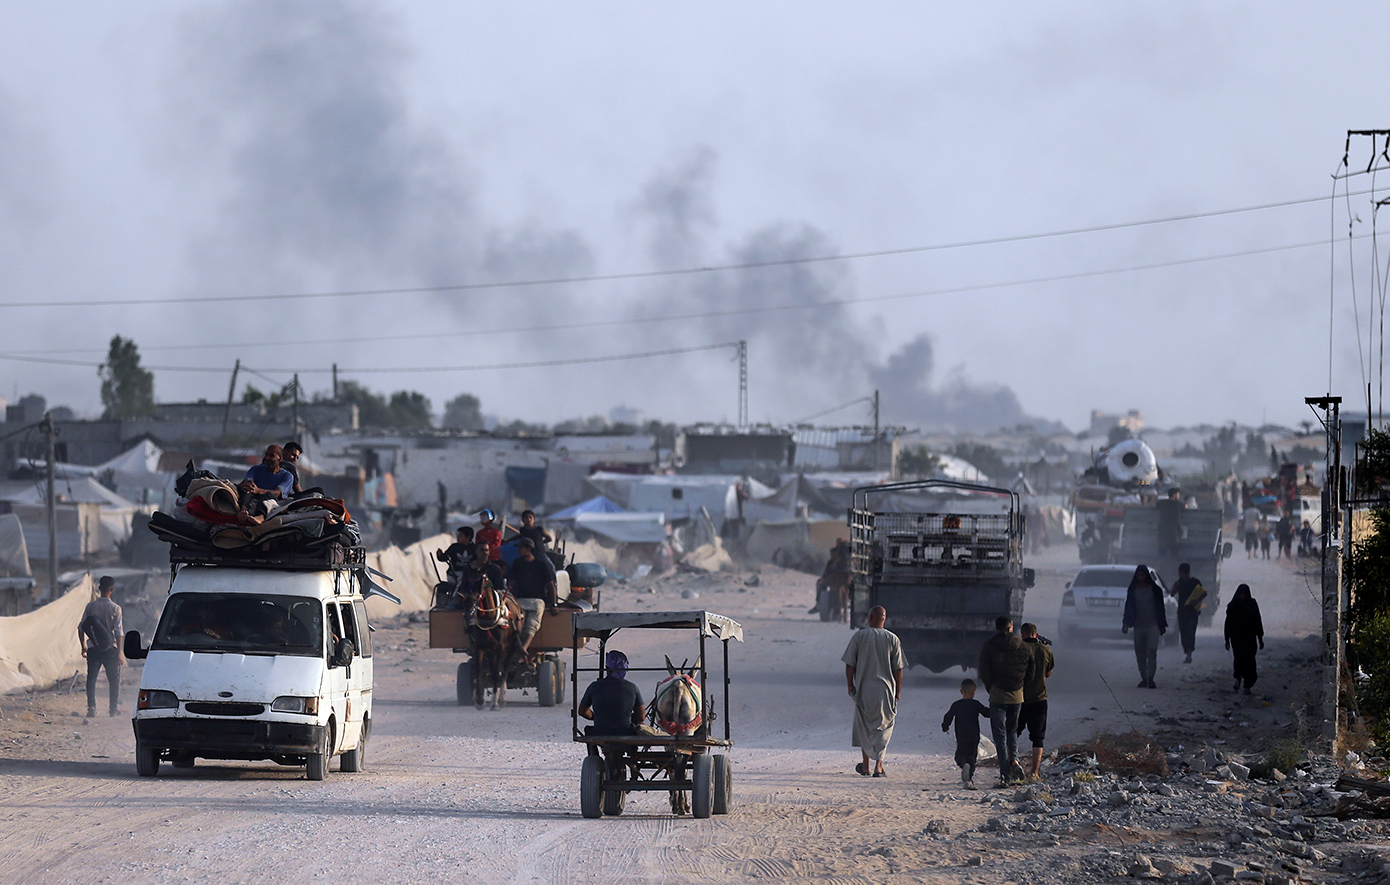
797	498
114	513
596	504
40	648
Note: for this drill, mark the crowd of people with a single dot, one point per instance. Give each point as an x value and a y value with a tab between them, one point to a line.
1014	668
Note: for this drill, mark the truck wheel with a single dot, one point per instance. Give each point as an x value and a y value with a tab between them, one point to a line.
723	784
545	683
702	786
465	684
591	787
146	760
561	682
316	764
356	759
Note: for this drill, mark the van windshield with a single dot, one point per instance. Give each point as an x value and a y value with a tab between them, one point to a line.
242	623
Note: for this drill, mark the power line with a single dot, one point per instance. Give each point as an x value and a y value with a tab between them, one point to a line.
651	274
30	356
402	369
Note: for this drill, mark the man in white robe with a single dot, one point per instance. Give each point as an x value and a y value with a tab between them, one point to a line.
874	671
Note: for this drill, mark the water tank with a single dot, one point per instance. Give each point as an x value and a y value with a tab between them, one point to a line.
1131	461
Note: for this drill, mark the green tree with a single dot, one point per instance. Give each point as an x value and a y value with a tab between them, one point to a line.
411	410
463	412
918	461
1368	645
372	408
127	390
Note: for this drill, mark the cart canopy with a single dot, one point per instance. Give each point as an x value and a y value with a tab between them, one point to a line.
604	624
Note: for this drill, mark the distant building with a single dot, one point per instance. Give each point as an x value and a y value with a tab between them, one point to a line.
1103	422
725	449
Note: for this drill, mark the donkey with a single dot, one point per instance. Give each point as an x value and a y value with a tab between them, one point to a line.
492	619
678	710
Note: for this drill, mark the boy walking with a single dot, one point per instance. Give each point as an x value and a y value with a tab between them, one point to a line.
966	712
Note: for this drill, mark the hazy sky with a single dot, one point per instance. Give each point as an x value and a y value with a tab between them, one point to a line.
171	150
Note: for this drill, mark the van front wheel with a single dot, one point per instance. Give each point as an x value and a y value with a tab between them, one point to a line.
316	765
146	760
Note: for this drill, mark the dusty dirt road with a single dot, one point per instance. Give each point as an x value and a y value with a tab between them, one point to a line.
453	794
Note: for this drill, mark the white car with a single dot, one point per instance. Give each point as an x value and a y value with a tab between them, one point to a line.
1094	603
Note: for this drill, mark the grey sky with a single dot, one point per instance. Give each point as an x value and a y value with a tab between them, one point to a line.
258	148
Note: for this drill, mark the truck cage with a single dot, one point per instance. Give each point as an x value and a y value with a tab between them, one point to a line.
909	547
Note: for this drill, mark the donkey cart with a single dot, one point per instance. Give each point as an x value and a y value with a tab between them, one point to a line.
684	759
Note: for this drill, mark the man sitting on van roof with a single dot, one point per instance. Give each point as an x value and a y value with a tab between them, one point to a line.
264	482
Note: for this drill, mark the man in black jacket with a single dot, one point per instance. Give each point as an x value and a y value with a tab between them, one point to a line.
1004	666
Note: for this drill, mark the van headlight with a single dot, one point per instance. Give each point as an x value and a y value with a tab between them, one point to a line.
291	704
156	700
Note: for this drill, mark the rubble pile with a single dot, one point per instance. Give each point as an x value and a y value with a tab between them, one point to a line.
1209	821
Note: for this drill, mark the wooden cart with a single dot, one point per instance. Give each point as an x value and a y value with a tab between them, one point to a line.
617	765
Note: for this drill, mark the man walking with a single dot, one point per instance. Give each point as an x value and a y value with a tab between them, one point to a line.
99	634
1005	665
1169	523
1144	613
1033	714
874	671
1189	593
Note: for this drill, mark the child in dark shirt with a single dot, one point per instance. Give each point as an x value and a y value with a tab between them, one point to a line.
967	712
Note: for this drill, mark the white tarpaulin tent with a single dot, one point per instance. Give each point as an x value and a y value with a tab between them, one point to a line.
41	647
114	514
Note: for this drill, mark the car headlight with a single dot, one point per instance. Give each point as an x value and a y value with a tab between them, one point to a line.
156	700
292	704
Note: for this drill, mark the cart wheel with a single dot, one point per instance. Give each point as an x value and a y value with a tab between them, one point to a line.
702	777
591	787
545	683
146	760
614	801
723	784
465	683
561	681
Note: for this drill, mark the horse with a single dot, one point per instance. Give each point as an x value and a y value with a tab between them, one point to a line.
678	710
492	621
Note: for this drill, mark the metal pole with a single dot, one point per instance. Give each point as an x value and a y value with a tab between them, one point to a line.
743	384
231	392
876	462
1333	646
294	431
51	433
335	383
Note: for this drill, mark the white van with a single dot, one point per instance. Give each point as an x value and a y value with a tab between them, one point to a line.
258	663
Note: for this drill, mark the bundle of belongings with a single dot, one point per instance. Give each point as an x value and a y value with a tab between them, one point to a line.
209	516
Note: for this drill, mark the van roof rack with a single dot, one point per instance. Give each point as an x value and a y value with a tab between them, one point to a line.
331	556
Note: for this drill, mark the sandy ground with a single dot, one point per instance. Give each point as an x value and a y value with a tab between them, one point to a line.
455	794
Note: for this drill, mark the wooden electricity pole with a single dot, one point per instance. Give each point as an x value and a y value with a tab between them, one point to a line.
51	435
1334	644
231	392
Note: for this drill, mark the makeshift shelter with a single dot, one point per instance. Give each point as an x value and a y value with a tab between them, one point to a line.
40	648
113	514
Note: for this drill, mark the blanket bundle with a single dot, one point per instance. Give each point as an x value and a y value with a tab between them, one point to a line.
206	520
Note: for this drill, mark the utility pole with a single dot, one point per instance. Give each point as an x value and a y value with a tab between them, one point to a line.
335	383
294	432
231	392
743	384
51	434
1334	646
876	462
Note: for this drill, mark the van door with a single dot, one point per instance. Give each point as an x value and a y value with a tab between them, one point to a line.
362	668
352	718
336	681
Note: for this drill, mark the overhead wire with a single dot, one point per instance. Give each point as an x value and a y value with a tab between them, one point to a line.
651	274
34	356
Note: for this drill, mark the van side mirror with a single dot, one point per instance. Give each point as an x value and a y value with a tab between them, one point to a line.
342	654
131	647
1029	577
1226	550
